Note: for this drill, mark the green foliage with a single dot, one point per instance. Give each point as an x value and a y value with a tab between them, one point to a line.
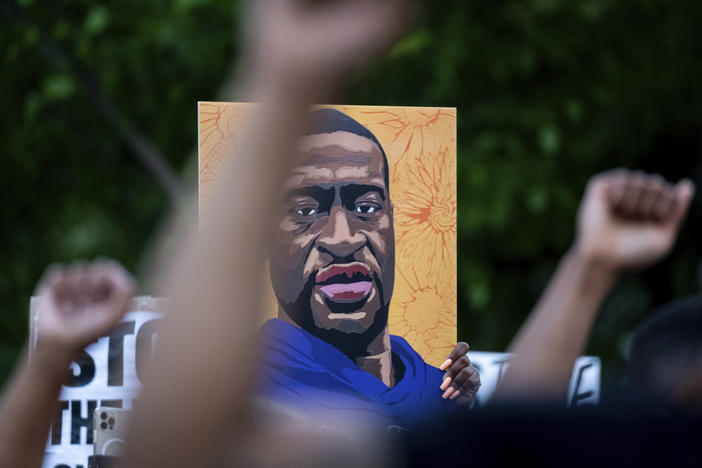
548	92
71	188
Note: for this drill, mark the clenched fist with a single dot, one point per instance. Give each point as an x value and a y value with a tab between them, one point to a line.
81	302
320	38
629	219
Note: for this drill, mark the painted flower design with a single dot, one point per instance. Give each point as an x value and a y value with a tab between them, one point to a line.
425	221
426	318
409	133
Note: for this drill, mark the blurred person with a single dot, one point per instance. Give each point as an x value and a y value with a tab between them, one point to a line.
332	266
665	358
627	220
195	397
78	304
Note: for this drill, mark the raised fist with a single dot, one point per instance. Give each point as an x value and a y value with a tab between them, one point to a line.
81	302
629	219
320	39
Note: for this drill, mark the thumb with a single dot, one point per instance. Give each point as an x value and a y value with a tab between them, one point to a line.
684	191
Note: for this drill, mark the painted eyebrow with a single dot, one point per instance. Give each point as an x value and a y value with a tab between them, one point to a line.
354	191
316	192
346	157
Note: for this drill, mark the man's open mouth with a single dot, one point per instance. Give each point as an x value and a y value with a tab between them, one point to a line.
346	283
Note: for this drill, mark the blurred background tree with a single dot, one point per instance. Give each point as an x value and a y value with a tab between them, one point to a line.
99	135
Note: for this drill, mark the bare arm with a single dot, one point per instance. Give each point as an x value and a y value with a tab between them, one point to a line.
29	404
77	305
206	348
626	220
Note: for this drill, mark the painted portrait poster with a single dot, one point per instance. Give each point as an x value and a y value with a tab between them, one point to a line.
364	253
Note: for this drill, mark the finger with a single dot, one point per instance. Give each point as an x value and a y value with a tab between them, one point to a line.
466	394
663	205
453	370
95	285
121	277
69	289
103	289
683	193
457	367
633	186
102	273
83	284
106	264
75	274
460	350
474	380
445	383
462	378
612	183
652	190
51	276
121	287
615	193
112	272
448	392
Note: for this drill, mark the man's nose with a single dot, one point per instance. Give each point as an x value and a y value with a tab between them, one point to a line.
337	237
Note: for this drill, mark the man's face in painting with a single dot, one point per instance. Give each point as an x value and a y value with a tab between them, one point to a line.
332	262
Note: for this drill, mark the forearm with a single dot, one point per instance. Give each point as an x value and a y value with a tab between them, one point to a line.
214	281
556	332
29	404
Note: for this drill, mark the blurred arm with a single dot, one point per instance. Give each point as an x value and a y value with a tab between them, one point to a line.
199	381
29	404
555	334
197	386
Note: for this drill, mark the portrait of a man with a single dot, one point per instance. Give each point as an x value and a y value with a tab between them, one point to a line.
332	271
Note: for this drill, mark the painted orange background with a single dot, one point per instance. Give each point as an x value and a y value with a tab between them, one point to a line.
420	143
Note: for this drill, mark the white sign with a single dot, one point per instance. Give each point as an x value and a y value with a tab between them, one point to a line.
584	388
